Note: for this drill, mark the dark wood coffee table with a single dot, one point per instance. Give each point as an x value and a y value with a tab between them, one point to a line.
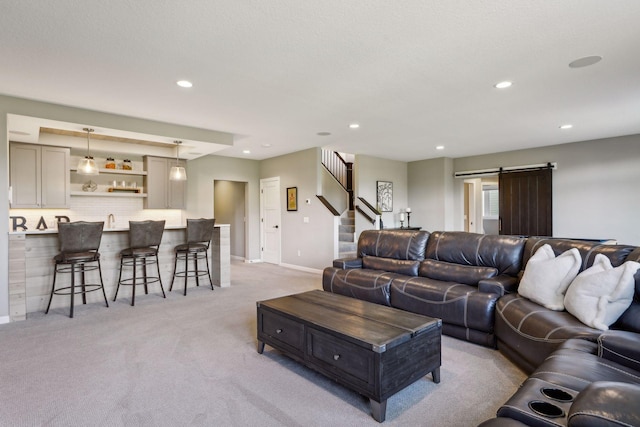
372	349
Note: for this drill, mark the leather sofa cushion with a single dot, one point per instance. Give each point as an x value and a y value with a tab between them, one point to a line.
622	347
368	285
575	365
450	272
606	403
588	250
534	331
630	319
397	244
346	263
501	252
406	267
454	303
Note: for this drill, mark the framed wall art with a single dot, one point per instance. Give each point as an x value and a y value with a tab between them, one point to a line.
384	196
292	198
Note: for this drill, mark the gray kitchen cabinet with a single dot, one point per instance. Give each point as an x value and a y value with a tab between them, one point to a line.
39	176
161	192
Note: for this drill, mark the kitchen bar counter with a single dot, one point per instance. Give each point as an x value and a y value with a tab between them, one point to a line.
31	266
105	230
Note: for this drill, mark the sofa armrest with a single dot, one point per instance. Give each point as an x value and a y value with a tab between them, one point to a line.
622	347
606	403
500	285
347	263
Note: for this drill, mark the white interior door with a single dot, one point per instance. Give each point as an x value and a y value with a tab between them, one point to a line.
270	220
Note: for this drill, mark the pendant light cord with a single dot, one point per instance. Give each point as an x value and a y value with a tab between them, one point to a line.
88	130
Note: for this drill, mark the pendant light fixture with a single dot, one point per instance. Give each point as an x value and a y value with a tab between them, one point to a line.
177	173
87	166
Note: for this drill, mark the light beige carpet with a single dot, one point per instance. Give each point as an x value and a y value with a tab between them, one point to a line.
193	361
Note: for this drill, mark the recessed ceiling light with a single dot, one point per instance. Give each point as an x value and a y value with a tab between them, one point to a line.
246	151
585	62
266	145
354	125
323	133
503	85
184	83
567	126
440	147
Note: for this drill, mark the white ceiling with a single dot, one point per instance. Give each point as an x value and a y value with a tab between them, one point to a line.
414	74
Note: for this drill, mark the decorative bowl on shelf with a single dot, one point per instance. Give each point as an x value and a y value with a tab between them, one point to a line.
89	186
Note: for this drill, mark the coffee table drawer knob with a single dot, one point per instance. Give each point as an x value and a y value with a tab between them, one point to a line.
278	331
336	356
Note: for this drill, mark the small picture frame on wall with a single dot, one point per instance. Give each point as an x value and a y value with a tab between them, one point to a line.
384	196
292	198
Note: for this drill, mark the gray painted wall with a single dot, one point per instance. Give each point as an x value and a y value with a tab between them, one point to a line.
367	171
314	240
333	191
595	188
431	195
204	171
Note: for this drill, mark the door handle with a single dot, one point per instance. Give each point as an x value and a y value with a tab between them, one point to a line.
275	226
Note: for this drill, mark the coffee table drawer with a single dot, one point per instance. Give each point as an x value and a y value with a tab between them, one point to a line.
341	355
284	330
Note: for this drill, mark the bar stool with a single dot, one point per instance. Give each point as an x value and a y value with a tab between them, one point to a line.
144	241
199	235
79	243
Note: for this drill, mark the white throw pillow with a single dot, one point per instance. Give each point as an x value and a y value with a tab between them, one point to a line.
547	277
601	293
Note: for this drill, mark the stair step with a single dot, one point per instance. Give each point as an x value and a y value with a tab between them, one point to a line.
347	228
345	237
347	221
348	254
347	247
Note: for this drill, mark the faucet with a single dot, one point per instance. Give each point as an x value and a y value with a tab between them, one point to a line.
111	220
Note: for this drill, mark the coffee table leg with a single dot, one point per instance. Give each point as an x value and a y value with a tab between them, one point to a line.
435	374
260	346
378	410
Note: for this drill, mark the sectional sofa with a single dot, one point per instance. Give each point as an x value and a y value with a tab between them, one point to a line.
580	374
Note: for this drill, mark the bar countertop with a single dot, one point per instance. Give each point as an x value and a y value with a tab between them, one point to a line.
105	230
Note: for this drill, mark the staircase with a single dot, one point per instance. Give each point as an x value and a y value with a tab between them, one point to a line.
347	246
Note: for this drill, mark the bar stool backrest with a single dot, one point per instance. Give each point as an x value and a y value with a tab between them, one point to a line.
144	234
200	230
79	236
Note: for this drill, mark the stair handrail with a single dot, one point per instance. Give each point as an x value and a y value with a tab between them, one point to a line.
328	205
370	219
336	166
377	214
341	170
369	206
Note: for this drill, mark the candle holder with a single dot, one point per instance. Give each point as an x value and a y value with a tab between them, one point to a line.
402	223
408	219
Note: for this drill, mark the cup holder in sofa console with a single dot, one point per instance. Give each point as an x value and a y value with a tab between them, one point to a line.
556	394
546	409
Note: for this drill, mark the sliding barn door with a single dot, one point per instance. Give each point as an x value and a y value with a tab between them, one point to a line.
525	203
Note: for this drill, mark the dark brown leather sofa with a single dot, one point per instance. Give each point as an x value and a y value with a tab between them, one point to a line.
592	378
527	332
580	376
454	276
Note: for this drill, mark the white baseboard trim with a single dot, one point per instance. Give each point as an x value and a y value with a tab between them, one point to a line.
301	268
5	319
